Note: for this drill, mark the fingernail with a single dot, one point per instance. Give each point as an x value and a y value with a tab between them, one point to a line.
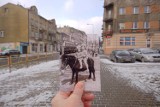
80	84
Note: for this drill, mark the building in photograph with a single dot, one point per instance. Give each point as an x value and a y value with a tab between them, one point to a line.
75	36
131	24
24	29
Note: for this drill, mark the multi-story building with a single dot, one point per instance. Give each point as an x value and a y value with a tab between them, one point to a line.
13	27
24	29
75	36
42	32
131	24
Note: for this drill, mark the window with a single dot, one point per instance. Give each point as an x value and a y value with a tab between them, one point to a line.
146	25
109	14
135	25
34	47
1	33
121	26
41	47
6	10
146	9
121	11
133	41
135	10
122	41
109	28
127	41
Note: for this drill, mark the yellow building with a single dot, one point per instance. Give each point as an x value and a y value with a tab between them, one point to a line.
13	27
131	24
24	29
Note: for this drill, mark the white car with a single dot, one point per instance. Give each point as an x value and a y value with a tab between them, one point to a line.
146	55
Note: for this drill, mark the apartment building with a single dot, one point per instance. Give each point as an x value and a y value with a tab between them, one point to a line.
13	27
131	24
42	32
24	29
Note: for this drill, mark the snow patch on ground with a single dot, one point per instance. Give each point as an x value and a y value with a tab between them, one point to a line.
20	87
45	66
146	76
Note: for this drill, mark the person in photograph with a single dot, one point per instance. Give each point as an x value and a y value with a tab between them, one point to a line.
83	55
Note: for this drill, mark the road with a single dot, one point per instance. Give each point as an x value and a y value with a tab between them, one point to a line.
35	87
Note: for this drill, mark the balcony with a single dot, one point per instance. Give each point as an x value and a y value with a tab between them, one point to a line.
108	19
108	4
108	33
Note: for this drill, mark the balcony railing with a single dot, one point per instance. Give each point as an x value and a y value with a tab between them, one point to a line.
108	33
108	4
108	19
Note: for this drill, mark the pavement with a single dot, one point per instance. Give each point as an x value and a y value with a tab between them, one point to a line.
116	92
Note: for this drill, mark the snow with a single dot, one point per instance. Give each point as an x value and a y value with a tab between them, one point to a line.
29	86
46	66
145	76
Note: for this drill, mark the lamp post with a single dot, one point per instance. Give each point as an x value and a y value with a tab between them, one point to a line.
95	40
92	28
92	33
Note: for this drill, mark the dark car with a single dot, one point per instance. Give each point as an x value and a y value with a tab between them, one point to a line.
122	56
8	52
158	50
130	50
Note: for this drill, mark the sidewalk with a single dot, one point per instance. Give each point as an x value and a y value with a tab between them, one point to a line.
117	93
35	87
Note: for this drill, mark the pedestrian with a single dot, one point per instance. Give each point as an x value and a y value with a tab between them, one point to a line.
77	98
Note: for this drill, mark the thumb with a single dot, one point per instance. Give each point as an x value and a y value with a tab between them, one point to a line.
78	90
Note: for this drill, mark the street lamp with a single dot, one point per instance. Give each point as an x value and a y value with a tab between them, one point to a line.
93	36
92	28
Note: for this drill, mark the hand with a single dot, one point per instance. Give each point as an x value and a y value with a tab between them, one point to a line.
78	98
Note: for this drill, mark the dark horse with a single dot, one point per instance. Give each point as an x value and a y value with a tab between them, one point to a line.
73	62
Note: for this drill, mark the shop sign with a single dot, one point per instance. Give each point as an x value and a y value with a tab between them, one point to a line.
134	30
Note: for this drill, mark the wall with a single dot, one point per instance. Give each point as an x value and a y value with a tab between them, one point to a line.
4	46
140	40
14	23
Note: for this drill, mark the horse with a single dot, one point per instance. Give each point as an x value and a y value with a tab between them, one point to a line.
74	64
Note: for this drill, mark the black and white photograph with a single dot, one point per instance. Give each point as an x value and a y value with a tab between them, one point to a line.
80	63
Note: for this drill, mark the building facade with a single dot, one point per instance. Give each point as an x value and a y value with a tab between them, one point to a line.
131	24
13	27
24	29
73	36
42	32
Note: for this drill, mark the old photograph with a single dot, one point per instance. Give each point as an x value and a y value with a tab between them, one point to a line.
80	63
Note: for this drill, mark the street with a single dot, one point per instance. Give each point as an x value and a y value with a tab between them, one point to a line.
35	87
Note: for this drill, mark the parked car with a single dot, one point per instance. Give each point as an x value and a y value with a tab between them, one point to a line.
146	55
122	56
130	50
158	50
8	52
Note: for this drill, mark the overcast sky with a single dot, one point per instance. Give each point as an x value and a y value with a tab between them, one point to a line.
75	13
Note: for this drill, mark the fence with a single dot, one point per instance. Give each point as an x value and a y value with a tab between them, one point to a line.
25	60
